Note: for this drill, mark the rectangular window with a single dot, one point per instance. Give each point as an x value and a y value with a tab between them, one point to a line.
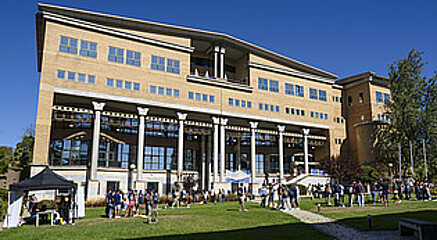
273	86
190	95
60	74
313	93
133	58
91	79
259	159
386	98
173	66
262	84
243	103
88	49
266	107
136	86
127	85
175	93
297	112
302	112
272	108
160	91
249	104
289	89
260	106
277	108
287	110
205	97
299	91
312	114
68	45
211	98
231	102
292	111
326	116
379	96
317	115
169	92
237	102
158	63
360	97
379	116
72	76
81	77
349	101
109	82
118	83
322	95
198	96
116	54
153	89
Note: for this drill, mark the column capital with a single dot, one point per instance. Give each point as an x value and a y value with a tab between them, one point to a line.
98	106
142	111
216	120
224	121
253	124
281	128
216	48
222	50
182	116
305	131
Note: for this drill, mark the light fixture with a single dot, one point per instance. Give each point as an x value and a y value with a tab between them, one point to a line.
71	125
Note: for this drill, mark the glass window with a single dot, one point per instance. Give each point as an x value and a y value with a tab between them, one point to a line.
133	58
289	89
313	93
60	74
205	97
119	83
262	84
211	98
158	63
198	96
169	92
136	86
91	79
287	110
302	112
260	106
249	104
298	112
72	76
172	66
266	107
190	95
272	108
326	116
292	111
81	77
378	96
274	86
379	116
237	102
299	91
161	90
259	160
68	45
116	54
322	95
316	115
386	98
231	102
88	49
109	82
277	108
243	103
349	101
153	89
312	114
128	85
175	93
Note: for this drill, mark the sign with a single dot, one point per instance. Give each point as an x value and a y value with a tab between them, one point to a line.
235	176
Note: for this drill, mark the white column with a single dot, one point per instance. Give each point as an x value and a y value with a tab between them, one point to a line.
216	60
216	122
142	112
209	148
222	62
203	153
281	130
98	107
305	131
223	123
253	126
181	117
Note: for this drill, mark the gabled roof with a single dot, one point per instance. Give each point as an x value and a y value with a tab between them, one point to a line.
155	27
44	180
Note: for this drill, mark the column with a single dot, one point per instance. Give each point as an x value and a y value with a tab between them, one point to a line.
222	62
208	187
182	117
142	112
216	60
216	122
98	107
281	130
306	131
223	123
253	126
203	155
238	154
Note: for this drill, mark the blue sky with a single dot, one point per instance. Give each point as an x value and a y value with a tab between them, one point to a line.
342	37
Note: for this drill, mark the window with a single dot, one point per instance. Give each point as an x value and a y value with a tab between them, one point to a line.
231	102
211	99
158	63
190	95
81	77
237	102
277	108
169	92
386	98
160	91
272	108
313	93
292	111
118	84
72	76
326	116
378	96
109	82
299	91
260	106
349	101
176	93
88	49
127	85
289	89
287	110
302	112
259	160
322	95
133	58
312	114
91	79
379	116
173	66
152	89
243	103
298	112
205	97
360	97
68	45
60	74
262	84
116	54
198	96
136	86
249	104
266	107
274	86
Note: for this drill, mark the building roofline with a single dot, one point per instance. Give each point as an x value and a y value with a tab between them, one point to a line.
369	76
192	32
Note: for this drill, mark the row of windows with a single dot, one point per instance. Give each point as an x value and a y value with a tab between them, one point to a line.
77	77
164	91
268	107
384	117
266	84
293	90
337	99
338	120
338	141
70	45
158	63
239	103
201	97
110	82
295	111
380	97
317	94
116	54
319	115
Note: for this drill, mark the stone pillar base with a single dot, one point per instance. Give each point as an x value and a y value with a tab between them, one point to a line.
140	185
92	190
222	185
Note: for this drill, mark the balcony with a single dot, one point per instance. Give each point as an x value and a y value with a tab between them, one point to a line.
218	82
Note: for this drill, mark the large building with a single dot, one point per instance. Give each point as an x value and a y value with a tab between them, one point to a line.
127	103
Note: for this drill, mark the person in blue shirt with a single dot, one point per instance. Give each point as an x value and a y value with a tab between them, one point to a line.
117	204
240	194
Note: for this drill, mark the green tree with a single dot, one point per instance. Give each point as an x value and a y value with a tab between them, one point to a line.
23	153
6	159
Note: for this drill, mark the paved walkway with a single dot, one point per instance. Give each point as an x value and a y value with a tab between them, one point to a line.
340	231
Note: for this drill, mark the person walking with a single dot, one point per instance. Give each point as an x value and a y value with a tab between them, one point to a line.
241	198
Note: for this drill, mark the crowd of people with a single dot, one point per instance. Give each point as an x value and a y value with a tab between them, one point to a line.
288	196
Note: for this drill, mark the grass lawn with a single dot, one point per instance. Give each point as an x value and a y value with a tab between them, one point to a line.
383	218
200	222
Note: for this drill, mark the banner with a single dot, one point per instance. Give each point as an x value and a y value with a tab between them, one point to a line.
12	218
234	176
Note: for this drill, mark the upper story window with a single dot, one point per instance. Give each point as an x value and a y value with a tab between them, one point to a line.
360	97
262	84
349	101
379	96
273	86
133	58
116	54
109	82
173	66
386	98
289	89
88	49
322	95
300	91
313	93
68	45
158	63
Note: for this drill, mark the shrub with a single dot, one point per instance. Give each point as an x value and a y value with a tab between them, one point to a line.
4	194
3	208
95	203
231	197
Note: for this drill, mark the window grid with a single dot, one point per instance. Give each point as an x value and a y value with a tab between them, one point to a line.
289	89
68	45
158	63
133	58
262	84
88	49
116	54
172	66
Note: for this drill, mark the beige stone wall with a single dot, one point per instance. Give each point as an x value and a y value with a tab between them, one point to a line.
377	107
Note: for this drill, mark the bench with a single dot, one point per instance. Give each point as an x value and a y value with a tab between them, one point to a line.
426	230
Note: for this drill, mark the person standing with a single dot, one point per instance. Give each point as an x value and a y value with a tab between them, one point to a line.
374	191
117	204
271	196
241	198
263	194
385	193
360	194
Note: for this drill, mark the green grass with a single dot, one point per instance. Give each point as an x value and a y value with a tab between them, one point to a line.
382	218
199	222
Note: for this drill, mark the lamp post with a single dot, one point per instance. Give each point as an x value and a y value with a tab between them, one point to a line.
130	176
390	165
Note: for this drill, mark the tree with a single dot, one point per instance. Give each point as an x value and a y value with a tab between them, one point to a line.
6	159
23	153
340	168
